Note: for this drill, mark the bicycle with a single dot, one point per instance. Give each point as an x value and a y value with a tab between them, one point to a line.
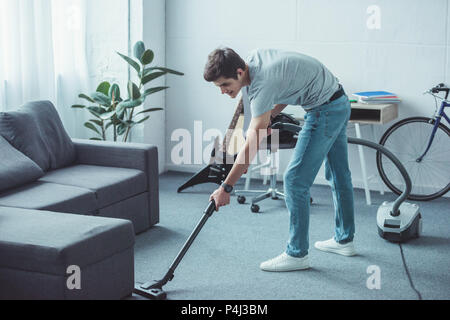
423	147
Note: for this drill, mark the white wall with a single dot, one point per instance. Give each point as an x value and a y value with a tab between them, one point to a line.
154	21
105	37
409	53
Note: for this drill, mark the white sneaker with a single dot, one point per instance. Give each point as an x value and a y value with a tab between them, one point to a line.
285	262
331	245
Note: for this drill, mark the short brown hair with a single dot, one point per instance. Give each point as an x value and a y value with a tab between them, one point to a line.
223	62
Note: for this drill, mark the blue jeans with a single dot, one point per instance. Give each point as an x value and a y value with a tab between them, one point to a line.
323	138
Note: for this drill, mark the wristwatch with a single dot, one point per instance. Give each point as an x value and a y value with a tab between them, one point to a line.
227	187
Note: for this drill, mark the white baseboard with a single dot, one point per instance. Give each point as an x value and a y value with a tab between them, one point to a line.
359	184
320	180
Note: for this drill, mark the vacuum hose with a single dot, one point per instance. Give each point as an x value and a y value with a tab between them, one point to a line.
395	209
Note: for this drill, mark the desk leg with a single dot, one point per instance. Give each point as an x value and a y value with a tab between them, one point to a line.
362	161
380	183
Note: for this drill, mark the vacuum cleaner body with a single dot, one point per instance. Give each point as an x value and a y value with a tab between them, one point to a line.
399	228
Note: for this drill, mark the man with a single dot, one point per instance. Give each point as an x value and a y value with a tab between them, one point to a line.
274	79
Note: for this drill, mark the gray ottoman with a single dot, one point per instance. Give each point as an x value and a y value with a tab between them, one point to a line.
48	255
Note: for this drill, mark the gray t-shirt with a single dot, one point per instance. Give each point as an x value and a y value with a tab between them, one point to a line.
281	77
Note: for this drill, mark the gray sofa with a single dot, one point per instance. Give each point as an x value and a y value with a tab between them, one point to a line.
67	202
39	249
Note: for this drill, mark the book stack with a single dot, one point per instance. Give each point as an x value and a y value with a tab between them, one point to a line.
377	97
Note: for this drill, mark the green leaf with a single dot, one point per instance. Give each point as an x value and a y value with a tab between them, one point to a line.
109	125
133	91
131	103
147	57
129	123
154	90
104	88
119	99
78	106
96	111
91	126
108	115
116	120
150	110
131	62
86	97
97	122
152	76
114	92
120	110
101	99
139	49
143	120
121	129
145	72
149	70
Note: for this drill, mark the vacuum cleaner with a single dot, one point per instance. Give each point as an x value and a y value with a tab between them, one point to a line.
397	221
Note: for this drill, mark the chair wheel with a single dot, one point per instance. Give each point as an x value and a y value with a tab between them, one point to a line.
241	199
255	208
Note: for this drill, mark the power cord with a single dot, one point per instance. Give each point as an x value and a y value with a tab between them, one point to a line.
408	274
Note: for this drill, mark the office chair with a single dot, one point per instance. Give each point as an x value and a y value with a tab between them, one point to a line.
287	140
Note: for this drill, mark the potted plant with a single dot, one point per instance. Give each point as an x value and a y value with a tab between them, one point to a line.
110	110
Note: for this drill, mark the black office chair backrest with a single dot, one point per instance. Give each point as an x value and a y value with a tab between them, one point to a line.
287	139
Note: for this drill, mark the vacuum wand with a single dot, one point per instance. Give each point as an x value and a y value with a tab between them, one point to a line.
207	214
153	289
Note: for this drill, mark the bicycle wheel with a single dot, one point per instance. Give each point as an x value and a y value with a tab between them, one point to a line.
408	140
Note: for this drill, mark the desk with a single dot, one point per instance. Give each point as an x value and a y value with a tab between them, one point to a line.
373	113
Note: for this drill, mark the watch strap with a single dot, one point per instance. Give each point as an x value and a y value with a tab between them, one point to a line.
227	187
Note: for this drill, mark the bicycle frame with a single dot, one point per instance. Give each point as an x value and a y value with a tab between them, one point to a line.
438	119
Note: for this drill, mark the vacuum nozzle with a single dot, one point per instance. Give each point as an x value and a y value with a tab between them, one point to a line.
151	290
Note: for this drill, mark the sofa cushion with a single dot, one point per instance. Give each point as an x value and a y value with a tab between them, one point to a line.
135	209
111	185
16	168
36	130
50	242
50	196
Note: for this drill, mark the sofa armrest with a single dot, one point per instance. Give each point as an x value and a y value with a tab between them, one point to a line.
137	156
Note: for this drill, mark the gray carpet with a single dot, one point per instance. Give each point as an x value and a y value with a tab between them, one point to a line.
223	263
